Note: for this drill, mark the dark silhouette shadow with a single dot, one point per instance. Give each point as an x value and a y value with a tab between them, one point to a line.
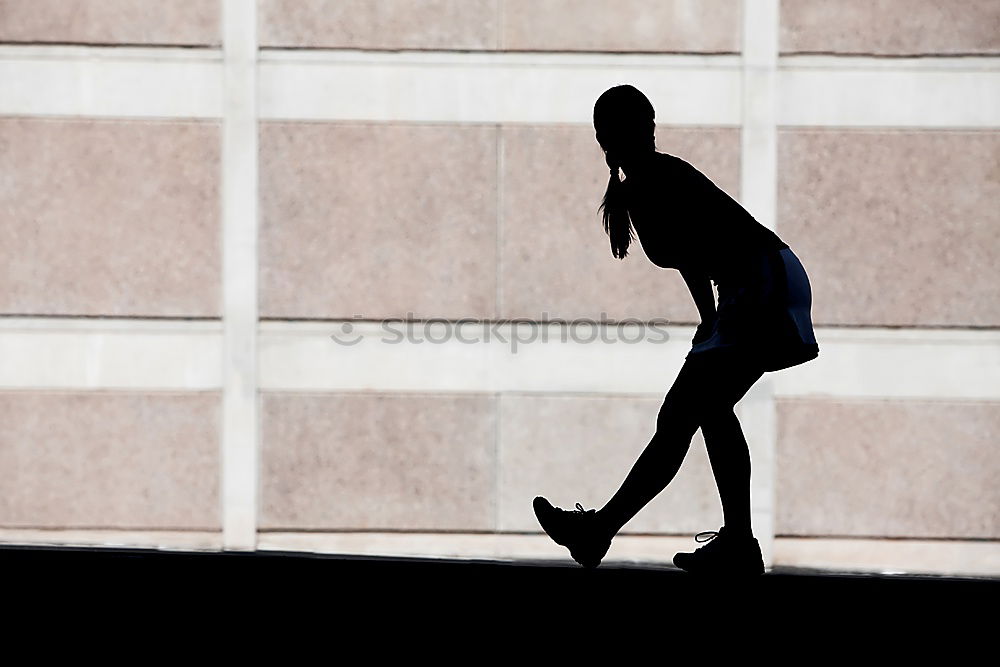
143	593
762	323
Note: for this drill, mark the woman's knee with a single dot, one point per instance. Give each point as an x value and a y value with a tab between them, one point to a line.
718	419
677	416
706	390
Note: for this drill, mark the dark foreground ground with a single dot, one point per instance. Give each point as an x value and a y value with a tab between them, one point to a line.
356	598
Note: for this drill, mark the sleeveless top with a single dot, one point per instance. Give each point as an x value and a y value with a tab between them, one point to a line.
685	221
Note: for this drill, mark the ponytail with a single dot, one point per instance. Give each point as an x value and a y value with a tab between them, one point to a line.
614	212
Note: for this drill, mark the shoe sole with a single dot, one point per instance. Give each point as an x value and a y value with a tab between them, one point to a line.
717	572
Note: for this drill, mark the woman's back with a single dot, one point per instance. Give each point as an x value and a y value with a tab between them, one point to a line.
684	220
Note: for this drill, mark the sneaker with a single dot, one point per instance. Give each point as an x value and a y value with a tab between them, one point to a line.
725	554
578	530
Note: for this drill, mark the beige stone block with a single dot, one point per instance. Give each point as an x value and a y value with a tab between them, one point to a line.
108	217
890	27
169	22
377	220
579	449
378	461
686	26
921	469
379	24
894	227
555	255
109	460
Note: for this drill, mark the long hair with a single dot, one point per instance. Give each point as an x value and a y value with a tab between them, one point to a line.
614	214
625	123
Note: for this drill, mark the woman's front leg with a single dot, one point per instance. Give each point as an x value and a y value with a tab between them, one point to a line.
729	454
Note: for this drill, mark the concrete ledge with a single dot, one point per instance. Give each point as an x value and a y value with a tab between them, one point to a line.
884	556
959	557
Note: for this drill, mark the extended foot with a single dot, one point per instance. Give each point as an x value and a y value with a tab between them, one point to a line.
581	531
726	554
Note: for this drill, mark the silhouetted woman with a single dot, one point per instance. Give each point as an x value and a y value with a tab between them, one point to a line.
762	323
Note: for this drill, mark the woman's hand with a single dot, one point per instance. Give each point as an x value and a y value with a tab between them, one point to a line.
704	331
704	298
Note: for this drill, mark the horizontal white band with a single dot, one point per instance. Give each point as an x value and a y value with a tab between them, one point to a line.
485	87
898	363
108	81
576	358
42	353
57	353
492	87
878	92
868	363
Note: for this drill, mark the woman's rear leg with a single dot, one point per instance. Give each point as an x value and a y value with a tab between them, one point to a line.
659	462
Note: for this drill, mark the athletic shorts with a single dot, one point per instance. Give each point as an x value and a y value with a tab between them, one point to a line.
768	316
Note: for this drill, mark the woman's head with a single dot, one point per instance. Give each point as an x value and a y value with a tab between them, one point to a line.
624	125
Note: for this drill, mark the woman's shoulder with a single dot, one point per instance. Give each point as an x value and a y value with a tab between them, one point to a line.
680	172
668	162
674	161
679	167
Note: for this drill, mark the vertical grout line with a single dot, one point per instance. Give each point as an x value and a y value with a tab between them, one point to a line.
498	312
240	428
498	296
497	470
758	192
499	19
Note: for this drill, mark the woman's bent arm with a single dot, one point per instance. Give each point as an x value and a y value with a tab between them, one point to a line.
701	291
